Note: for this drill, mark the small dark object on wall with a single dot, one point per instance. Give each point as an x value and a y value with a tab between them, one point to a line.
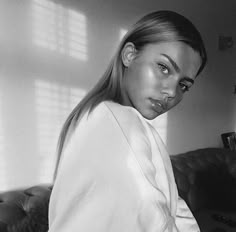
229	140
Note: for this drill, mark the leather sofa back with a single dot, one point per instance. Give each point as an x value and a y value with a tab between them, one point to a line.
206	178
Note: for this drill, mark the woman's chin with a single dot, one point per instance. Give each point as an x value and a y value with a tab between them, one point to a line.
150	114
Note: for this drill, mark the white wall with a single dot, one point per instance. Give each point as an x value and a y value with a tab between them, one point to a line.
40	84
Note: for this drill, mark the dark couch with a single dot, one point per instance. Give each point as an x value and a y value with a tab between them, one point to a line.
206	179
25	210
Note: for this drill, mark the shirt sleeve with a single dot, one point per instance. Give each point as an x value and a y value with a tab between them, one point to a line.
185	220
99	186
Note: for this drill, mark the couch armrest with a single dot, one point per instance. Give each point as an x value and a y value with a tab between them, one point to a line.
25	210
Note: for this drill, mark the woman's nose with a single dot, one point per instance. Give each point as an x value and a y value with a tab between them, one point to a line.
170	88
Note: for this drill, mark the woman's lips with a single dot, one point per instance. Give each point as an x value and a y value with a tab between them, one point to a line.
158	106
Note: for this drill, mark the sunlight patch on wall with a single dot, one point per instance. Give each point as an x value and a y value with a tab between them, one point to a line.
59	29
122	33
54	102
160	124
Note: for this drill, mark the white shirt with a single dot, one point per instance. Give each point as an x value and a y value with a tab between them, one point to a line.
115	175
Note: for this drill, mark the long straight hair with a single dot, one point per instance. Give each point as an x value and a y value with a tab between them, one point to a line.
156	27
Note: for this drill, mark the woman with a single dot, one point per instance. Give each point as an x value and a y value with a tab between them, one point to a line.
114	173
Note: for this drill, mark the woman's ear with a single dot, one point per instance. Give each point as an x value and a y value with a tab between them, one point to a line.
128	54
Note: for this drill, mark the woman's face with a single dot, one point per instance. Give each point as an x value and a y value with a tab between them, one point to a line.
156	78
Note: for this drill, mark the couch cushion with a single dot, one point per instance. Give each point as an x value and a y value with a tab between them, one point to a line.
216	221
25	210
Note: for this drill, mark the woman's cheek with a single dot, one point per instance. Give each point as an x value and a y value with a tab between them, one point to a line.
151	76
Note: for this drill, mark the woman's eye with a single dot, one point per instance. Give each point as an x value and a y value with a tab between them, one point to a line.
164	69
184	87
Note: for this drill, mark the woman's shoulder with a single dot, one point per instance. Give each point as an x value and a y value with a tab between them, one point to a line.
128	118
109	111
121	110
118	112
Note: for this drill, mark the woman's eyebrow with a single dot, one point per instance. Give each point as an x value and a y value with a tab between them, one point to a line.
188	79
176	67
